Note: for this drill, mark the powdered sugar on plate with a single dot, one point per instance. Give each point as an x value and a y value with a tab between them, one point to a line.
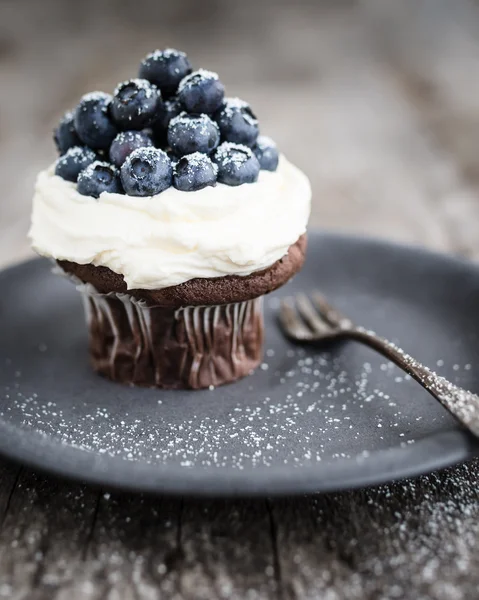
314	399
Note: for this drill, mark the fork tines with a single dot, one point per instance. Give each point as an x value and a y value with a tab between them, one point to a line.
310	318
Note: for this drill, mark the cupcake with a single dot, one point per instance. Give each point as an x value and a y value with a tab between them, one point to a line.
174	218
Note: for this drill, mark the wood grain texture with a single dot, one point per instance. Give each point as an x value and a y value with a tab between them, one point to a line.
378	101
43	534
412	539
407	540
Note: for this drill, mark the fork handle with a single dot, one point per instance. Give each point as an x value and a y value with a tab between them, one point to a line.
463	405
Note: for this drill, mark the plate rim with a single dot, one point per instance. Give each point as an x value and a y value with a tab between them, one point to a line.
437	451
393	464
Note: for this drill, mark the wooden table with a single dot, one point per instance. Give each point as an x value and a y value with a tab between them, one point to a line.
378	101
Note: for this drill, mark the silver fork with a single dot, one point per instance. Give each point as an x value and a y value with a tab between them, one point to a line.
312	319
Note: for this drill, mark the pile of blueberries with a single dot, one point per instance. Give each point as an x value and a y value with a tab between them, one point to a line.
171	126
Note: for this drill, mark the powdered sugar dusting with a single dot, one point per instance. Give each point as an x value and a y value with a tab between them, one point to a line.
204	73
199	123
77	155
166	53
94	97
189	164
235	105
463	404
230	153
308	415
142	84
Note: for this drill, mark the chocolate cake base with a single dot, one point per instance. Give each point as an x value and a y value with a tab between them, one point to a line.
198	292
194	335
193	347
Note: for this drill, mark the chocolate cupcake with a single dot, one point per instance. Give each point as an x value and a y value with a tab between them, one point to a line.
174	218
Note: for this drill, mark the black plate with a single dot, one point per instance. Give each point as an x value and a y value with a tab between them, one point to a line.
305	421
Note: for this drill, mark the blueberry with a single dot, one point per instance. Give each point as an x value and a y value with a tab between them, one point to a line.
99	177
74	161
92	120
237	122
201	92
170	109
267	153
165	68
146	172
236	164
192	133
194	172
65	134
136	104
124	144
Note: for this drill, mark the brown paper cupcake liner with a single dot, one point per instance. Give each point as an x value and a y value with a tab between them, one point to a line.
191	347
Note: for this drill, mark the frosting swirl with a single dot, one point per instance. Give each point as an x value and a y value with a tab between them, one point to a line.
164	240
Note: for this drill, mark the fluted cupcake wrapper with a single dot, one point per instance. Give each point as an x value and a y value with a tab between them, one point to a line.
190	347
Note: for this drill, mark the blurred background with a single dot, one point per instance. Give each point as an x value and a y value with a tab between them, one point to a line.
376	100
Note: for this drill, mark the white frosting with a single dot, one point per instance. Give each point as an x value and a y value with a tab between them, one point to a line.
165	240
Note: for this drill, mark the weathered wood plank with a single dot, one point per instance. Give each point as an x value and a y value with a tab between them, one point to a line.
57	544
9	474
228	551
152	548
61	541
133	551
44	530
411	539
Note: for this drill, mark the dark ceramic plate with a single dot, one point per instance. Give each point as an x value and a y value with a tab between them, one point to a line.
306	421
